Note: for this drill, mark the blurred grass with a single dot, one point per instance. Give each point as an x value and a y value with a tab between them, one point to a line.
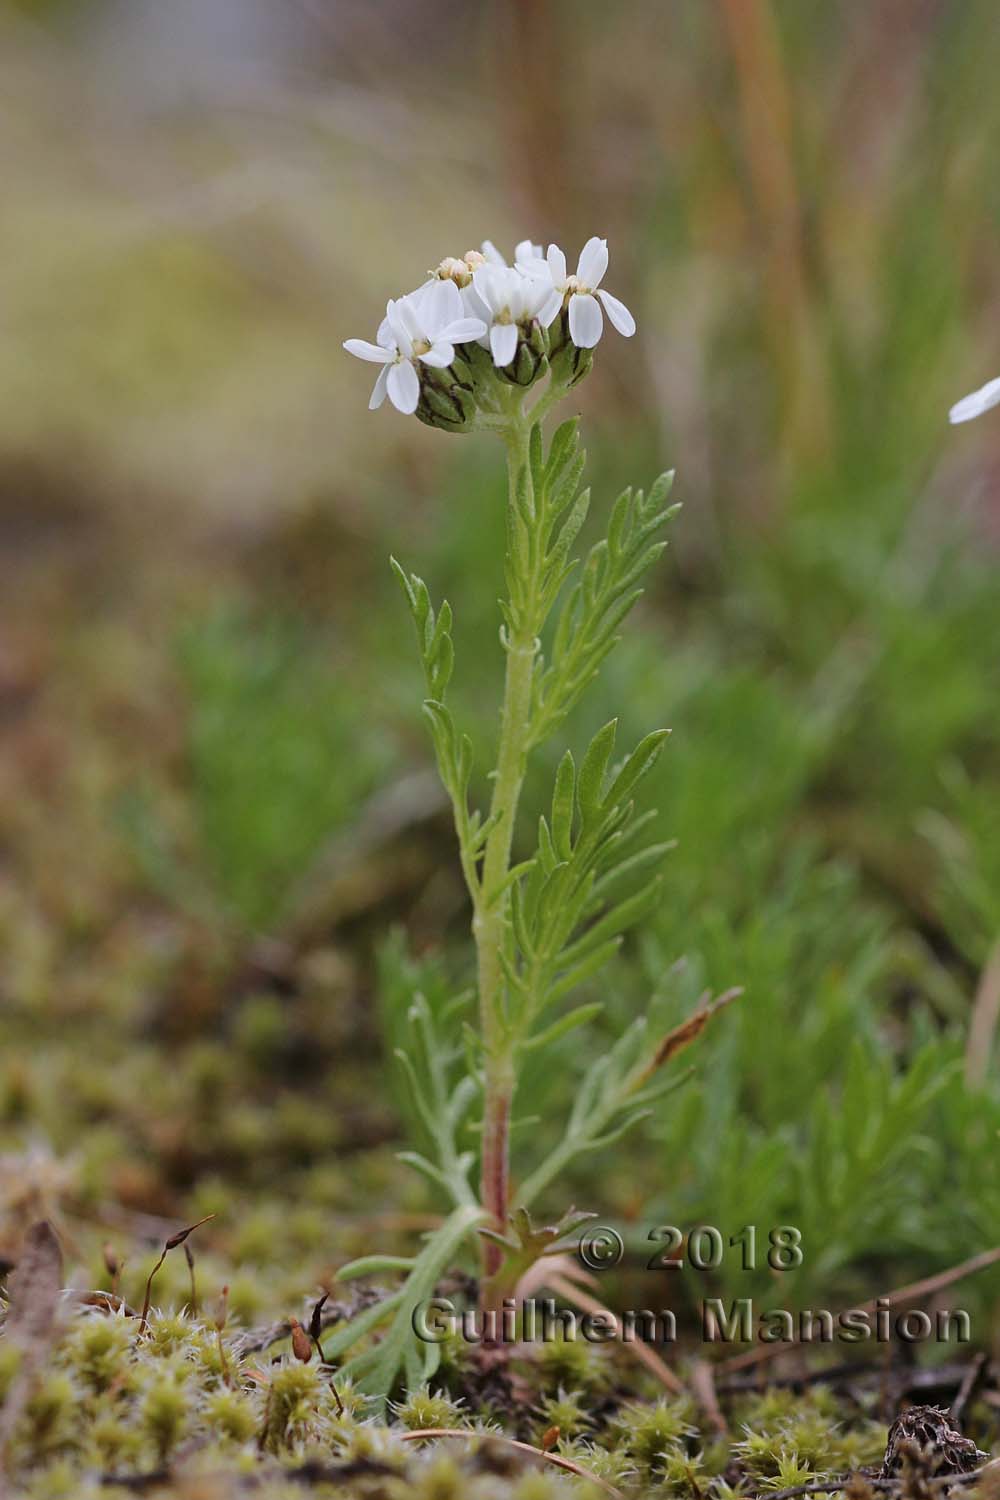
802	205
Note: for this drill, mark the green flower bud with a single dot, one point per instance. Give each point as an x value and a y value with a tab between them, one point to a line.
447	397
569	364
530	362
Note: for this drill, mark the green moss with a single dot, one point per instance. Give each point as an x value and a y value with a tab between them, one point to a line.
422	1409
293	1403
10	1363
98	1350
165	1413
571	1364
231	1415
567	1410
50	1415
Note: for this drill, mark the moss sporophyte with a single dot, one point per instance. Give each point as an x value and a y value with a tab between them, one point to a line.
483	346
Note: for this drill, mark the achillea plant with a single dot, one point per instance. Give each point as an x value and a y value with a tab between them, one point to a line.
487	347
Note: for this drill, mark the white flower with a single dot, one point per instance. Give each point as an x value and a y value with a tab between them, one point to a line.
506	298
524	253
976	404
423	327
586	321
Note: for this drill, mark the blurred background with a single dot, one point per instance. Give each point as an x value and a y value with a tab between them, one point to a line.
224	866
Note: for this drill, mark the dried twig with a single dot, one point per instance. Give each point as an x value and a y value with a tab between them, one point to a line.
702	1378
970	1380
467	1435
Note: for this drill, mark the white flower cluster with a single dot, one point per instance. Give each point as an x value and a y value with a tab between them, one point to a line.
530	316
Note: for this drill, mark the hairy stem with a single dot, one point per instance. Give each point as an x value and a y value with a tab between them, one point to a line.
490	917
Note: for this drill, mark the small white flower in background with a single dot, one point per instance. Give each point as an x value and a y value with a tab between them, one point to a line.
586	321
974	405
423	327
506	298
524	253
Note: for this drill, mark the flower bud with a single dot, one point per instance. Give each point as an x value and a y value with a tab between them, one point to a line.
453	269
569	364
447	397
530	362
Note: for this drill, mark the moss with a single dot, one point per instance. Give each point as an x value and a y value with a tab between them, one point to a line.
231	1415
98	1349
568	1411
573	1364
422	1409
112	1403
652	1433
293	1400
10	1363
165	1413
50	1416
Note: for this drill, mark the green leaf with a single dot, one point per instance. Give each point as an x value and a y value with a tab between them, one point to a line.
579	973
375	1265
563	806
642	759
578	1017
613	922
378	1370
594	768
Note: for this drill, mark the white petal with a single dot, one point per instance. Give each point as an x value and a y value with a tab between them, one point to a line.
976	404
586	322
440	303
493	254
492	284
463	330
503	342
536	272
378	392
373	352
439	356
404	387
557	265
399	319
384	334
549	309
618	313
417	297
593	262
473	305
526	252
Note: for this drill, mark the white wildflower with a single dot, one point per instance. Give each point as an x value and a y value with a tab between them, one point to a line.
420	328
586	321
508	301
974	405
526	252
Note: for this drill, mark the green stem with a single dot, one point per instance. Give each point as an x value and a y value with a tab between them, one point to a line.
490	917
